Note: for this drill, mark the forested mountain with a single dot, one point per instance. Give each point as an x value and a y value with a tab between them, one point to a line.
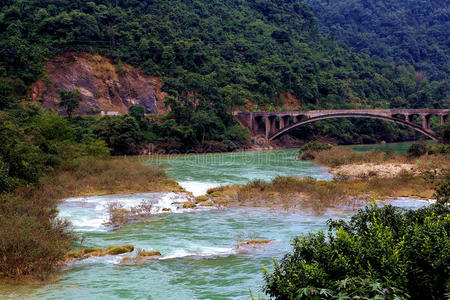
213	56
413	32
256	49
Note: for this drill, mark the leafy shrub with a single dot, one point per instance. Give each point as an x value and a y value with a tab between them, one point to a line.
442	193
121	133
418	149
4	178
355	287
306	152
70	100
315	146
440	148
98	149
444	132
32	240
406	252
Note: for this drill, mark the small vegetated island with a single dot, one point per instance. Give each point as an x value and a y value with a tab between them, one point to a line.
85	83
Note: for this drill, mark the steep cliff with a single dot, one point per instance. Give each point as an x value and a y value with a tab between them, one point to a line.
105	85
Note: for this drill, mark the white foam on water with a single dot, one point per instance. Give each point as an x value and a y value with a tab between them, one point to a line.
200	252
107	259
198	188
90	213
167	200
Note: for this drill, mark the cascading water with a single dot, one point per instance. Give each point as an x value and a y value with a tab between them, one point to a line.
200	258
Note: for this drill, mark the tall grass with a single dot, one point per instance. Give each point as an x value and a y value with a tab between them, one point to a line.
342	156
436	156
33	241
89	176
290	193
120	216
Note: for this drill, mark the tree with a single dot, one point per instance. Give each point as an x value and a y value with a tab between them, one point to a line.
401	252
444	132
6	93
70	100
138	113
122	134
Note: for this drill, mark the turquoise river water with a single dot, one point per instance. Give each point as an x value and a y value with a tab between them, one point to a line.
200	258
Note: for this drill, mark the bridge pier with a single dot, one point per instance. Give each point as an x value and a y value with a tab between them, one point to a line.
273	124
443	119
251	121
284	122
267	126
426	121
281	124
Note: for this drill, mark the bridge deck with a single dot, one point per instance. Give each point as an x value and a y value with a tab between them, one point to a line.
274	124
384	112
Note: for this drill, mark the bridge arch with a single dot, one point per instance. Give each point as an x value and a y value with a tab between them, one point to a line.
406	123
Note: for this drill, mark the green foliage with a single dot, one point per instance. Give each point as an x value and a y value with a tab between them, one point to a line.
411	32
137	112
315	146
32	239
423	147
306	152
442	193
119	68
70	100
35	141
254	51
7	93
405	253
353	288
122	134
418	149
24	152
98	149
52	127
444	132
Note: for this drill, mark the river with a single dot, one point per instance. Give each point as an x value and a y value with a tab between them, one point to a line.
200	260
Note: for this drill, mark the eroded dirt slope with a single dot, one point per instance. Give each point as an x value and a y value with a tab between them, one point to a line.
105	85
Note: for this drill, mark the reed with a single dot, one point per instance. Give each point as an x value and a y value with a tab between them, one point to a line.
89	176
33	241
290	193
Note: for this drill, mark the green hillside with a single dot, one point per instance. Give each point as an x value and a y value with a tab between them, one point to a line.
214	57
216	48
413	32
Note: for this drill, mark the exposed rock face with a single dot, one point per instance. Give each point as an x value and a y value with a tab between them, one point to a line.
104	86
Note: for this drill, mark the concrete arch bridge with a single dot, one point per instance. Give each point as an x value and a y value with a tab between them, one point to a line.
275	124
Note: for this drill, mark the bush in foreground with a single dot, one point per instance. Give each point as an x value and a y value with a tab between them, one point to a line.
307	151
381	252
33	241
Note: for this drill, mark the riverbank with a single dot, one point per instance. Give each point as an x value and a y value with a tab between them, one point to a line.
359	177
292	193
34	241
420	160
90	176
191	240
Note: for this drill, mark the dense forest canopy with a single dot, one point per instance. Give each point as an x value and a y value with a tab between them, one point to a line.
233	50
214	57
405	32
